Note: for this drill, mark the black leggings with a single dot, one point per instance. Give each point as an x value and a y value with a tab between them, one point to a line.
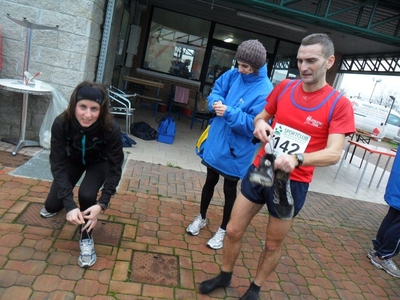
230	192
93	180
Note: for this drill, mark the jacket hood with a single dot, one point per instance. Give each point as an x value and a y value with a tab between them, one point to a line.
262	74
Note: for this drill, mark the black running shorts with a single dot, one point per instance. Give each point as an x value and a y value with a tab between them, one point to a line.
264	195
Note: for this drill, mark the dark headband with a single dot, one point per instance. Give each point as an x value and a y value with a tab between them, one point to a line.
89	93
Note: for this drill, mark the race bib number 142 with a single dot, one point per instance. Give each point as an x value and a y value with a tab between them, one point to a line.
287	140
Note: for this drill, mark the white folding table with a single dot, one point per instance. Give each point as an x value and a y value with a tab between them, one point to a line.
15	85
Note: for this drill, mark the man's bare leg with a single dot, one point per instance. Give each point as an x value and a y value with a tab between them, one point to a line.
242	213
269	258
277	230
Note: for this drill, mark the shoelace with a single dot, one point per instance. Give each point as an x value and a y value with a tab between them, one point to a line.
197	221
86	244
86	248
219	235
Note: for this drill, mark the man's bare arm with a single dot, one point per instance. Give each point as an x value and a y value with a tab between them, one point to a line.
328	156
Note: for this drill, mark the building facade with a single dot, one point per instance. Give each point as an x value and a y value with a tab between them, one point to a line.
161	41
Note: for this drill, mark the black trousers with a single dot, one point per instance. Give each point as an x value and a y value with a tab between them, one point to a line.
387	241
94	178
230	192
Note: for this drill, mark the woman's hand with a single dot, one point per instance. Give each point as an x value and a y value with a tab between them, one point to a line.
75	217
91	215
219	108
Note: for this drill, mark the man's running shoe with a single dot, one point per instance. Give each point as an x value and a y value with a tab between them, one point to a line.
386	264
45	214
371	254
264	174
283	200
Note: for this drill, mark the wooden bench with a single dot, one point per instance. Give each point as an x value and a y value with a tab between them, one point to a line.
142	81
145	82
156	100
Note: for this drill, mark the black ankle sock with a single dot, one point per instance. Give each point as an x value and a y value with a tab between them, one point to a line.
254	287
252	292
225	277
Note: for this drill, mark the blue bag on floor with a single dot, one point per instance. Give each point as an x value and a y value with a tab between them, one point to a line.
166	130
127	141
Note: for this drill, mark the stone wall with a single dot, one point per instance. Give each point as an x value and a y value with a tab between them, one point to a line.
66	56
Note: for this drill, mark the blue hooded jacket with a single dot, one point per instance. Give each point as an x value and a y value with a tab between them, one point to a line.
392	193
228	148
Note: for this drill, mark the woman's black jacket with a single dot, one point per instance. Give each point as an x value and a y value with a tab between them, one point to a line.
73	144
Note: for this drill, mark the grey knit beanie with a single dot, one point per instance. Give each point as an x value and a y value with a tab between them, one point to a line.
252	52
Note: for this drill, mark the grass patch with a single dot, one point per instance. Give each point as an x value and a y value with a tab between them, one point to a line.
173	166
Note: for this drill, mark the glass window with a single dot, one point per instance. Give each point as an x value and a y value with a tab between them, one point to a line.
285	63
221	60
176	44
393	120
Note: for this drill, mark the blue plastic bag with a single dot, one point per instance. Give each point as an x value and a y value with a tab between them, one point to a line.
127	141
166	130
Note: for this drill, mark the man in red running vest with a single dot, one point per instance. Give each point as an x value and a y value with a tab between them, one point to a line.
310	122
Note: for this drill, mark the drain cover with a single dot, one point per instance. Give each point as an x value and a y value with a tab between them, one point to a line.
6	159
106	233
31	216
155	268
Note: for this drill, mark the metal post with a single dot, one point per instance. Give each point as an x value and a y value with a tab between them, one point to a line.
29	26
27	51
104	41
379	80
390	110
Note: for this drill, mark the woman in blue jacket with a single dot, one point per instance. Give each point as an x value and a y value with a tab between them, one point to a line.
237	97
386	245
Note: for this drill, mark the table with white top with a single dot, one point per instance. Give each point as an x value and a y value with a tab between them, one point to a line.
17	86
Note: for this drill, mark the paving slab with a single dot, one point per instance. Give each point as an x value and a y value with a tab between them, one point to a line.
324	255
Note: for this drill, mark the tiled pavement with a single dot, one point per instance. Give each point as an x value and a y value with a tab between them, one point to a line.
144	252
324	255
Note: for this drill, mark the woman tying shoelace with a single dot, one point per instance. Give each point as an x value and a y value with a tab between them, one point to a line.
84	140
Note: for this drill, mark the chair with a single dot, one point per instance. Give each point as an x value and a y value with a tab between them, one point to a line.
121	105
137	85
200	114
180	99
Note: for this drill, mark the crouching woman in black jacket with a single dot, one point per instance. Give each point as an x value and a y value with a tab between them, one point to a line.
84	138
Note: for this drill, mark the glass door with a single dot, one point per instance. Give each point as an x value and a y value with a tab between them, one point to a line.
221	59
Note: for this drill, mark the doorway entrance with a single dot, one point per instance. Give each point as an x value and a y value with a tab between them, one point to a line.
221	58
